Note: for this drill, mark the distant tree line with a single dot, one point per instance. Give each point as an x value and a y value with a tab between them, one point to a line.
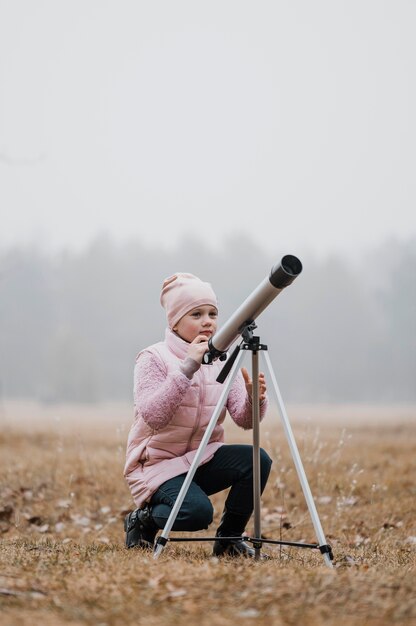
71	324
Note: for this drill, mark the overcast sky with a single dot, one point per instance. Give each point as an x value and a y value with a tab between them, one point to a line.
293	121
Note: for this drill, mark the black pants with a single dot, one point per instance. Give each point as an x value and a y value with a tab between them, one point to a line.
231	466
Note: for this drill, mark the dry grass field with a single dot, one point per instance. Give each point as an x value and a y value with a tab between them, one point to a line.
63	500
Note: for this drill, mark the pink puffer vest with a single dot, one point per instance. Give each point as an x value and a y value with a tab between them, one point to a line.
154	456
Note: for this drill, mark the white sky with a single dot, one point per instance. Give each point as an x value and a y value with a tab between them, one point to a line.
290	120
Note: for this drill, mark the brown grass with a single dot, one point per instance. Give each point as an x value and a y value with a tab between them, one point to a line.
63	500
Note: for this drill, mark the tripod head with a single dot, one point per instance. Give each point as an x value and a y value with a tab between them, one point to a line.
281	275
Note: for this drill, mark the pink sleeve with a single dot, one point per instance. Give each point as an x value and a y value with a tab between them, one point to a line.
239	404
157	394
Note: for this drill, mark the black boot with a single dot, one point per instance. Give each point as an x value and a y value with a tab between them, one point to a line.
233	525
140	528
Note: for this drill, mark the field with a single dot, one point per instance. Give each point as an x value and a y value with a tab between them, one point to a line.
63	500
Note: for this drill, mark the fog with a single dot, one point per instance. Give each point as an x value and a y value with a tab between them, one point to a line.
72	323
142	138
290	122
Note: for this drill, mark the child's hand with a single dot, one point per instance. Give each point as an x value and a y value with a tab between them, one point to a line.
249	384
198	347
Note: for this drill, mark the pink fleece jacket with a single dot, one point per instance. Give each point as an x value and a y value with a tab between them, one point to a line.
173	406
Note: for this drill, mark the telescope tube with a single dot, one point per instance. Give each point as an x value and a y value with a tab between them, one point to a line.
281	275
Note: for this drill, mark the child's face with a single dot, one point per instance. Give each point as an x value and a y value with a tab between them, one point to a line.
199	321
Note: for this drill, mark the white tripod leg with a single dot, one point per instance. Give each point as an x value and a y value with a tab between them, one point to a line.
298	464
256	452
163	537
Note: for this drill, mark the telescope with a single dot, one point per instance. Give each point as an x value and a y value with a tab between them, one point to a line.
281	275
242	322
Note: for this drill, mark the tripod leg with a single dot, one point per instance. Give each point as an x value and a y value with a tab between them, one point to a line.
163	537
299	468
256	452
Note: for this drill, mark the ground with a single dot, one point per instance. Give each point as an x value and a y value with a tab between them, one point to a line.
63	500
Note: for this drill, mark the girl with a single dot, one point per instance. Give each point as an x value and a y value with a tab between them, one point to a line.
174	398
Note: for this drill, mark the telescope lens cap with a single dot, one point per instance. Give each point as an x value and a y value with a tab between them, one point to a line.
291	265
284	274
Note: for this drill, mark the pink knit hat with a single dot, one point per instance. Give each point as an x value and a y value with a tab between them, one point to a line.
182	293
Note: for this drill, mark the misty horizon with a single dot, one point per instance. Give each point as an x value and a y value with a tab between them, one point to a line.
72	324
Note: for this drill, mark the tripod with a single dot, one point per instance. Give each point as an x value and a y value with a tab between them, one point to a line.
229	372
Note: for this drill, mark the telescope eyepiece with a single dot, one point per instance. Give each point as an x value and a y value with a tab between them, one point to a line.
284	273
